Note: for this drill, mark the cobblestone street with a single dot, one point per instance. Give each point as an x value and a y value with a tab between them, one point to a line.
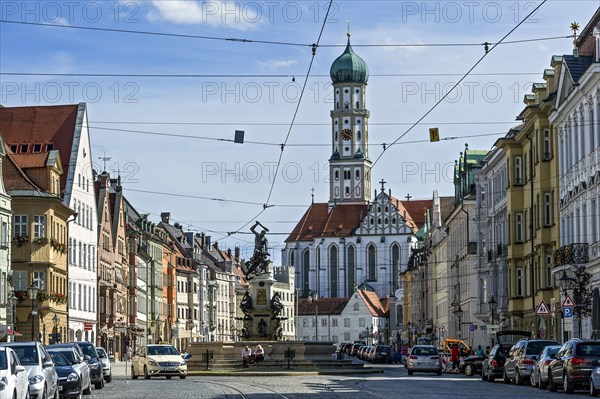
393	383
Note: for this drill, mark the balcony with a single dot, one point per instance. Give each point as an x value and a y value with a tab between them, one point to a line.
572	254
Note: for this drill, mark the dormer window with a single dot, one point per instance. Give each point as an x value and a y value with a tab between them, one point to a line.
13	148
49	147
37	148
24	148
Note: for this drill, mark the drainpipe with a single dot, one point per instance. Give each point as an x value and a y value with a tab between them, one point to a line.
531	230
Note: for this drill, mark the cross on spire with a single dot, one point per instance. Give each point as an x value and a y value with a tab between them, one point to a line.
104	160
408	197
312	195
382	185
348	26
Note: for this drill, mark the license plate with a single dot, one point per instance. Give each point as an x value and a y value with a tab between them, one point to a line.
383	353
169	368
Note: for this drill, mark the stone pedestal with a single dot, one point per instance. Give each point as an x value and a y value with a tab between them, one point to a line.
262	326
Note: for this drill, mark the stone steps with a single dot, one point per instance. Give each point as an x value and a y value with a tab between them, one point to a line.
277	363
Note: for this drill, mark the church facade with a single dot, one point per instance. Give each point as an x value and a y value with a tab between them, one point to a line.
356	239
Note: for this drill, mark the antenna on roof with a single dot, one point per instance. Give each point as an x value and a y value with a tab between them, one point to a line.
104	160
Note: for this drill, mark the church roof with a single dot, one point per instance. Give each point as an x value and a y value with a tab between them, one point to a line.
328	306
319	221
373	303
349	67
417	210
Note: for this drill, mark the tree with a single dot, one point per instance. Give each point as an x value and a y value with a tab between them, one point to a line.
582	293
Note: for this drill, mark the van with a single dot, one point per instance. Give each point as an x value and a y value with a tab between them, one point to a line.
463	348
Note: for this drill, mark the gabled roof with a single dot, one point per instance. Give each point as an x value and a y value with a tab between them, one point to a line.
577	66
43	125
373	303
27	161
417	210
319	221
15	178
327	306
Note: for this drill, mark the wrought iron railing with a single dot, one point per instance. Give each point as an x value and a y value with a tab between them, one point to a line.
572	254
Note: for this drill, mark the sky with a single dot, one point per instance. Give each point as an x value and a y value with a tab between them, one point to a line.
169	133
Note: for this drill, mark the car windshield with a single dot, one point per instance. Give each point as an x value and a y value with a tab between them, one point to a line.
162	350
59	359
552	350
69	354
3	363
535	348
383	349
424	351
27	354
88	350
101	352
588	349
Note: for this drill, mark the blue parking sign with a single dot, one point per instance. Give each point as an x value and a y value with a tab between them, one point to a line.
471	327
568	312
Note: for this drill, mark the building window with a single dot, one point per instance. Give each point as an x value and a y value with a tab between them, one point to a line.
548	209
371	263
594	221
39	278
4	234
346	336
333	271
20	223
519	282
305	270
323	322
304	322
334	322
346	322
361	322
351	270
39	226
356	307
547	145
19	281
549	271
518	171
518	227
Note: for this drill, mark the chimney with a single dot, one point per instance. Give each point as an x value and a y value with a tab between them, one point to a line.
165	217
104	179
216	245
237	254
207	241
229	252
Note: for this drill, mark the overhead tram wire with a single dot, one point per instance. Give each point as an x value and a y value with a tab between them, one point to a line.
487	51
314	53
274	42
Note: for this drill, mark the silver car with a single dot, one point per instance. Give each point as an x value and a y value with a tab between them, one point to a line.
106	364
43	380
78	362
424	358
539	375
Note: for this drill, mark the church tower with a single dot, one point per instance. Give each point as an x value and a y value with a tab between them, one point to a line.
349	165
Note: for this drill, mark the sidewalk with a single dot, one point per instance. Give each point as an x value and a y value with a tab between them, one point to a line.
119	369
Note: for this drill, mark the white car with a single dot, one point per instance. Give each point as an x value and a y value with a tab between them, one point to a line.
158	360
13	377
106	364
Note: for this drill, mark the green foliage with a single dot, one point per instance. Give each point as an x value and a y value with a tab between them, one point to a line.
582	293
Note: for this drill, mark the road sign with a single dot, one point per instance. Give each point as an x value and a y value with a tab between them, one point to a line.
542	309
553	305
568	302
493	328
472	327
434	134
568	312
569	324
88	326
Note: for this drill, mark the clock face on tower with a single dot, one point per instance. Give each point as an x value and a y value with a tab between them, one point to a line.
346	134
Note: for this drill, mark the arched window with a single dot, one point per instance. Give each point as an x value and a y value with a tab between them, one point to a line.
305	270
351	270
318	267
333	271
371	262
395	266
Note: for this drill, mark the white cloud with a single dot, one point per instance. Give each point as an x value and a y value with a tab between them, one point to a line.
226	14
276	64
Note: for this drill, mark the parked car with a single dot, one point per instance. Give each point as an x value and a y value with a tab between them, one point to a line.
360	354
595	381
381	354
539	375
158	360
13	376
424	358
471	365
573	365
492	366
89	349
69	383
106	364
78	361
42	377
521	358
355	348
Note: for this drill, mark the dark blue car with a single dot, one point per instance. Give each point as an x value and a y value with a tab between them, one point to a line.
69	383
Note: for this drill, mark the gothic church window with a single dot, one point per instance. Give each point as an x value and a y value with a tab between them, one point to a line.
351	270
371	263
333	271
306	270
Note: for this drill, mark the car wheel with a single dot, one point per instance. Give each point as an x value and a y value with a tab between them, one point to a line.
490	377
88	390
182	377
56	396
410	372
541	384
533	379
27	396
146	375
593	390
483	376
469	370
80	392
133	376
567	385
518	378
45	392
505	378
551	385
439	372
168	377
109	378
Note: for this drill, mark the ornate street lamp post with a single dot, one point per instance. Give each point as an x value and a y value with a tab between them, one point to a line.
32	292
314	298
56	320
459	314
493	306
13	302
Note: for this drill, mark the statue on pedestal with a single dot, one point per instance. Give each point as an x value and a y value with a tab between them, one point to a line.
276	305
259	262
246	306
262	328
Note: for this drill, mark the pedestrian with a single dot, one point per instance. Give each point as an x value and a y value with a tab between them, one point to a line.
246	356
259	354
129	353
454	358
480	352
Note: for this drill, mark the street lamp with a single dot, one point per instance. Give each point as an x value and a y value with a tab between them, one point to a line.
56	320
32	292
191	327
565	282
314	298
176	335
459	314
493	306
13	302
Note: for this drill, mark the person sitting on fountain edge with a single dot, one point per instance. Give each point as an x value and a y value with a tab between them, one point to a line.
246	356
259	354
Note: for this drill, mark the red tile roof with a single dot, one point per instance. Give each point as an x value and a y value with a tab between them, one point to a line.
15	178
418	210
327	306
26	161
373	303
319	221
42	125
